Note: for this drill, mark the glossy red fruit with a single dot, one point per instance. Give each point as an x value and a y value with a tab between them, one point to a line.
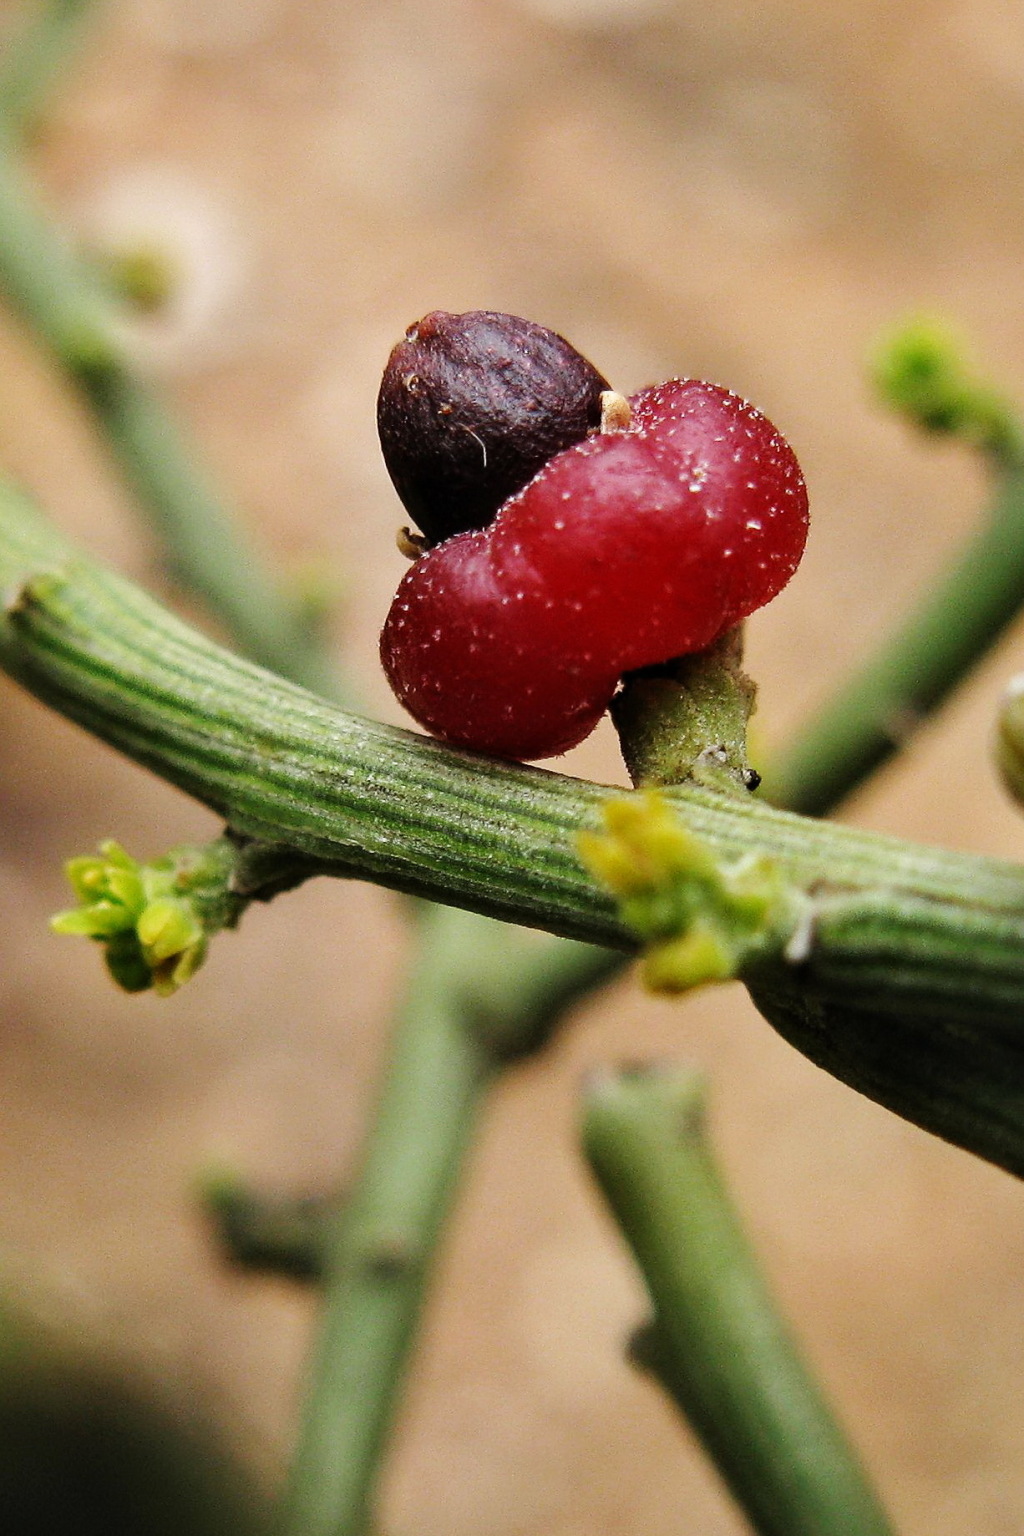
626	550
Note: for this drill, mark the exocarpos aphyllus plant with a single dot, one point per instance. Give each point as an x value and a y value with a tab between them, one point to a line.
575	550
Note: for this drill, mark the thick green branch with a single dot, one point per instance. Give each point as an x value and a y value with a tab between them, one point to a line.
373	801
900	937
718	1344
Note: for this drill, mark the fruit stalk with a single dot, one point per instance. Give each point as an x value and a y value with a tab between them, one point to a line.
688	720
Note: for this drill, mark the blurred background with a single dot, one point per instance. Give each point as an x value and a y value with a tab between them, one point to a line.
748	193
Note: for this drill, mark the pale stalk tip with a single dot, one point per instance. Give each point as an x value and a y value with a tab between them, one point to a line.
616	414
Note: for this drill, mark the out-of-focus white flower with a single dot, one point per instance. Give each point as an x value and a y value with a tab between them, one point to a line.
177	254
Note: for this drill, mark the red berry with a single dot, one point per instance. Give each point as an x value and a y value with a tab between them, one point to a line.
626	550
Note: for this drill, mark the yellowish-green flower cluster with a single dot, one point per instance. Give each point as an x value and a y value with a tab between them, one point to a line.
154	919
701	917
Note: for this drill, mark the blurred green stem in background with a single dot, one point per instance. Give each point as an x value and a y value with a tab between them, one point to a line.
871	717
60	298
717	1343
34	56
451	1038
267	1234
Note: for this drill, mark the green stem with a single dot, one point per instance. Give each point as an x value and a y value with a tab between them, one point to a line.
379	1260
69	311
688	719
909	979
479	996
450	1041
517	989
916	667
719	1346
35	57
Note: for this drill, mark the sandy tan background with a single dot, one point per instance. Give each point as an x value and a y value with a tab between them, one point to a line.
747	192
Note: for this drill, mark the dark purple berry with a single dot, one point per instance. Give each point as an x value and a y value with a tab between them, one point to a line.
472	406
